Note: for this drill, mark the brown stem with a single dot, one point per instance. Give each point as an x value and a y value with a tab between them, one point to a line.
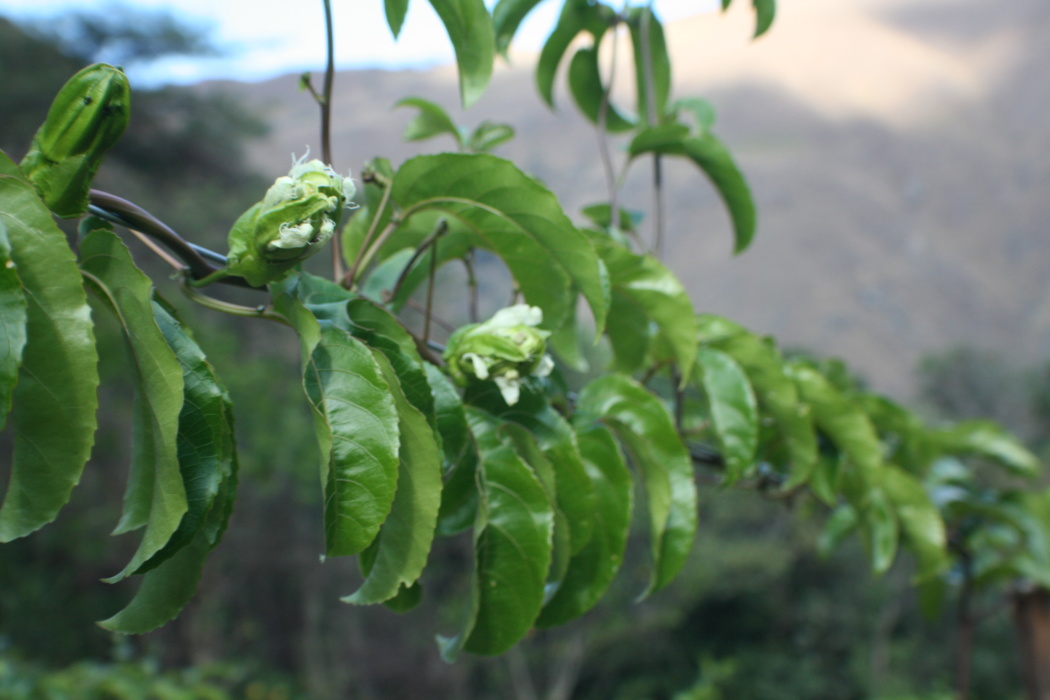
966	622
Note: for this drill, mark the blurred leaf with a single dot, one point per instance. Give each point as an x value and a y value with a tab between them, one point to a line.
592	569
406	535
714	160
878	524
431	121
58	377
765	10
700	109
601	216
647	430
506	18
469	26
155	496
652	72
516	217
920	523
487	135
376	176
12	324
395	14
589	93
990	440
734	410
576	16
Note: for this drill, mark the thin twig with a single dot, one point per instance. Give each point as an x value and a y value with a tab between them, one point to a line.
603	139
430	285
472	286
431	240
326	128
364	254
651	118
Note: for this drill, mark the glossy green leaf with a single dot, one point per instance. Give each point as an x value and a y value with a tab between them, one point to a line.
469	26
506	18
205	440
589	92
156	496
395	14
920	522
843	421
775	391
512	547
12	324
58	377
405	537
431	121
647	430
459	497
652	65
987	439
708	154
514	216
733	408
629	333
592	569
358	432
576	16
557	440
644	282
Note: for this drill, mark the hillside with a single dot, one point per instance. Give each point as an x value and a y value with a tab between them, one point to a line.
894	149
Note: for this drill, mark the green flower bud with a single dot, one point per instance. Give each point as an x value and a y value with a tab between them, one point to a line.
298	215
87	117
506	348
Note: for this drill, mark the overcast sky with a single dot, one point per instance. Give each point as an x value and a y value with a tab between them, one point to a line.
264	38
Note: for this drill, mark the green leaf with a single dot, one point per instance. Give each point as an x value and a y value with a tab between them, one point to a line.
643	281
12	324
990	440
431	121
205	441
765	11
459	497
156	496
487	135
506	18
879	527
845	424
395	14
58	378
469	26
592	569
357	428
514	216
645	427
734	410
702	111
775	391
708	154
576	16
589	93
512	547
557	440
629	333
405	538
920	522
376	176
652	72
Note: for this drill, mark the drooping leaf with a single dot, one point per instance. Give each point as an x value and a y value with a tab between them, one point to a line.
506	18
431	121
576	16
205	441
156	496
469	27
647	430
734	410
990	440
644	282
395	14
58	378
592	569
589	92
557	440
355	420
459	496
775	391
708	154
12	324
843	422
652	65
512	549
514	216
920	523
405	537
765	11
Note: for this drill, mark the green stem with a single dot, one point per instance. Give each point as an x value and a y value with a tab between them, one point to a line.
326	128
651	119
366	252
261	311
603	140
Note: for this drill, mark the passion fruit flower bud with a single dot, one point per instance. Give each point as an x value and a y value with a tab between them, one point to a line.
298	215
88	116
506	348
